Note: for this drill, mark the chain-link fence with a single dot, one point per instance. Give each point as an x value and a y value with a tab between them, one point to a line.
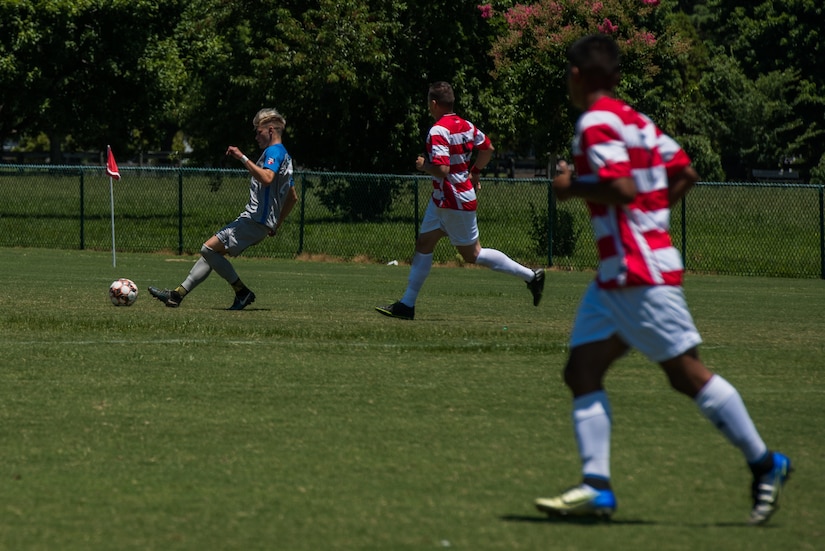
737	229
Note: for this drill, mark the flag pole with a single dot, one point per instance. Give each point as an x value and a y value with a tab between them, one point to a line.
112	208
114	173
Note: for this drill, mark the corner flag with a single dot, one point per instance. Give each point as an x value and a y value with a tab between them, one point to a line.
111	165
112	171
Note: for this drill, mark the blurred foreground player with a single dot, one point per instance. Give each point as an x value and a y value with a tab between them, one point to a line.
630	174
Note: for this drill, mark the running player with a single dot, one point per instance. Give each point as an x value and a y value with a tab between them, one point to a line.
630	174
451	211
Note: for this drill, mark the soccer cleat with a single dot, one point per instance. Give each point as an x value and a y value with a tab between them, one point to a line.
397	310
170	298
536	286
580	500
242	300
766	489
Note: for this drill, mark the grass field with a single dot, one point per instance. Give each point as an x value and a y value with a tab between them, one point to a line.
309	422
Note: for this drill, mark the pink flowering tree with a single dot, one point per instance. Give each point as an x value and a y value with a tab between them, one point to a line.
530	61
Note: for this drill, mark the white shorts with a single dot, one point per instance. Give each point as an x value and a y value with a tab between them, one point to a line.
242	233
459	225
654	320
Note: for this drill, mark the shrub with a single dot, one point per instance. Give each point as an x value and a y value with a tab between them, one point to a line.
363	200
564	232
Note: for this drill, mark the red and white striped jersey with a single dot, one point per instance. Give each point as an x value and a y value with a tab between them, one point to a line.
615	141
451	141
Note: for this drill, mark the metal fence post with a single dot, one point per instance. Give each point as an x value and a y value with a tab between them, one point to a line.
822	232
552	164
551	221
180	212
416	218
82	211
303	214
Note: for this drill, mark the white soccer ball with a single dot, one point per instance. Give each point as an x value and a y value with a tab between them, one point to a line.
123	292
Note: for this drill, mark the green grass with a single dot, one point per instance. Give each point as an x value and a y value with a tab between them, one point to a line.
310	422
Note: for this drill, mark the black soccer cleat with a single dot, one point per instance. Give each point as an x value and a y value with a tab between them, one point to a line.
242	300
536	286
397	310
170	298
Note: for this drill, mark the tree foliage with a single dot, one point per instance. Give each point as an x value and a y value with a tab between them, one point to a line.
738	83
530	59
89	69
770	54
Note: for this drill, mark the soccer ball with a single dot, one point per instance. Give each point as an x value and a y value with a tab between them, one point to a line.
123	292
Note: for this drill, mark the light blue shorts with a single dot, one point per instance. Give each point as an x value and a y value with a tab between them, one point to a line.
654	320
459	225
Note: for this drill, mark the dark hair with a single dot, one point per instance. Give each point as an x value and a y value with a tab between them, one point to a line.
597	58
442	93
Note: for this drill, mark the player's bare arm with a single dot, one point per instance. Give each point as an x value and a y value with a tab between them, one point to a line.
264	175
620	191
436	171
680	183
483	158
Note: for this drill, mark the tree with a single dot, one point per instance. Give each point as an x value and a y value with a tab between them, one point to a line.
530	61
351	76
96	70
777	47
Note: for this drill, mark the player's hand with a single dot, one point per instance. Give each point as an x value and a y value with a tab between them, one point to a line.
233	151
475	179
419	163
562	181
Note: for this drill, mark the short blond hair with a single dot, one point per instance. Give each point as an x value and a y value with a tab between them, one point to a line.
269	117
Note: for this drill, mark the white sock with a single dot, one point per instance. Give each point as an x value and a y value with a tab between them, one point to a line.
419	270
500	262
591	423
722	405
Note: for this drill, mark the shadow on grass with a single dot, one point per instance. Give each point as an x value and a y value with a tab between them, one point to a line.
580	521
593	521
247	309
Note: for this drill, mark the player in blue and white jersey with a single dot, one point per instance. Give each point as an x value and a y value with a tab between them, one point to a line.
272	196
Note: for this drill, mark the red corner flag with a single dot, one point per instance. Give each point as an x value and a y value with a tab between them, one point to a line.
111	165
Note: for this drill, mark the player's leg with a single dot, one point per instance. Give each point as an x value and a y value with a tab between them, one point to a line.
173	297
463	231
232	240
592	424
197	275
500	262
420	267
666	334
214	251
430	233
722	405
718	401
594	346
421	264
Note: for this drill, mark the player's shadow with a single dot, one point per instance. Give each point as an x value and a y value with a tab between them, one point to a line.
592	521
247	309
579	521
